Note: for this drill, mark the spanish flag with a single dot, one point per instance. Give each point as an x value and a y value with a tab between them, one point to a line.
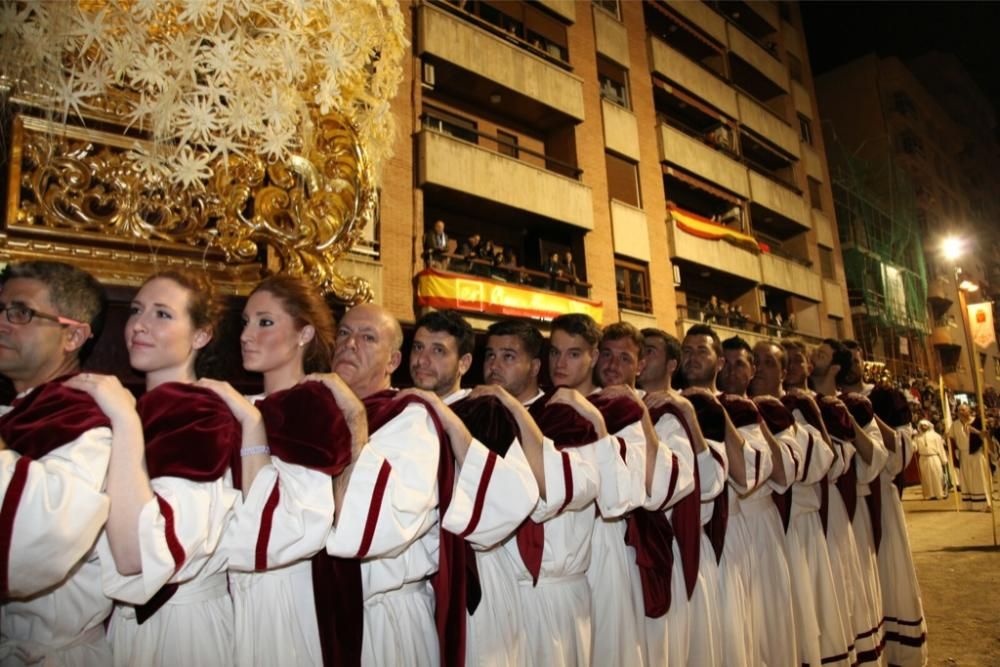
704	228
443	289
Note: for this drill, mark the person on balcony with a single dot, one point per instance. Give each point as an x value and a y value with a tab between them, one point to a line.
435	246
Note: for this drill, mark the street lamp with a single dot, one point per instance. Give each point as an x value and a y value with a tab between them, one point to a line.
952	248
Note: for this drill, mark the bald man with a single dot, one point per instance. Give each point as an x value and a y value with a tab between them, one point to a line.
389	514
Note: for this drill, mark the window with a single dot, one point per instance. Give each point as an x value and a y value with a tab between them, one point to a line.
805	130
632	279
507	144
794	65
826	263
614	82
996	367
450	124
610	6
815	193
623	180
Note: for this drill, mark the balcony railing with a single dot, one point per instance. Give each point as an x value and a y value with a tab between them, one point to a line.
518	275
502	146
512	30
727	325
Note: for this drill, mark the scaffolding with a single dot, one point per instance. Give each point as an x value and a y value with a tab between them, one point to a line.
883	261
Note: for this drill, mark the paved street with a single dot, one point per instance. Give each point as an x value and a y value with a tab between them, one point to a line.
959	572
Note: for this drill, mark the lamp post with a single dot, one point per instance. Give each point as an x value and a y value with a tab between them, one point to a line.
952	248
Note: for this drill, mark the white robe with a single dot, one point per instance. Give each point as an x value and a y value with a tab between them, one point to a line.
275	611
844	551
824	634
494	635
973	470
740	646
195	626
905	627
617	636
57	609
690	631
557	610
933	458
390	519
774	633
871	641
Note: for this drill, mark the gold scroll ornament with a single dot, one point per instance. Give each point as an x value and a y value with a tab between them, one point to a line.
73	195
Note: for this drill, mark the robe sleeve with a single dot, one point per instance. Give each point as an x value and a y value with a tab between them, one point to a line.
180	530
756	458
673	474
632	440
790	460
391	499
617	466
572	480
816	456
867	472
286	517
713	471
493	495
59	511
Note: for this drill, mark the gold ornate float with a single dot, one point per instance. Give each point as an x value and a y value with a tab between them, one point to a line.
240	137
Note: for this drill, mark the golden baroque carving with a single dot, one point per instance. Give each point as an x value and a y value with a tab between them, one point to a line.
306	212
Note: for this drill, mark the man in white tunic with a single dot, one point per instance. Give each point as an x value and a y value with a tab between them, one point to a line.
768	575
749	464
578	351
389	513
619	362
825	637
51	471
554	592
933	459
829	361
971	461
691	630
440	355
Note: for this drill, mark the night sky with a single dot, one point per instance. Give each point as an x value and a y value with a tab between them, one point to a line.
838	32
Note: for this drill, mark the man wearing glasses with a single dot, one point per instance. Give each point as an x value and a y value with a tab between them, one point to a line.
54	455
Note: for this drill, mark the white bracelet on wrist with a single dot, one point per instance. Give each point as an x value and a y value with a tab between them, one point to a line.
251	451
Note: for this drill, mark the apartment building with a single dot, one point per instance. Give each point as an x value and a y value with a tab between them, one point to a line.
927	120
673	148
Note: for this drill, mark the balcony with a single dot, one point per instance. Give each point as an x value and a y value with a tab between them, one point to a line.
686	73
475	49
944	336
785	212
790	276
699	14
764	122
758	70
621	132
757	17
611	36
631	235
693	155
813	165
802	100
564	8
717	255
833	297
465	167
823	227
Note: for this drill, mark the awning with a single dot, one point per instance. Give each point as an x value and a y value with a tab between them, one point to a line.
706	229
442	289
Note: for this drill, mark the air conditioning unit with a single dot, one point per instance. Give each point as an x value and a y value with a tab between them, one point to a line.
427	75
